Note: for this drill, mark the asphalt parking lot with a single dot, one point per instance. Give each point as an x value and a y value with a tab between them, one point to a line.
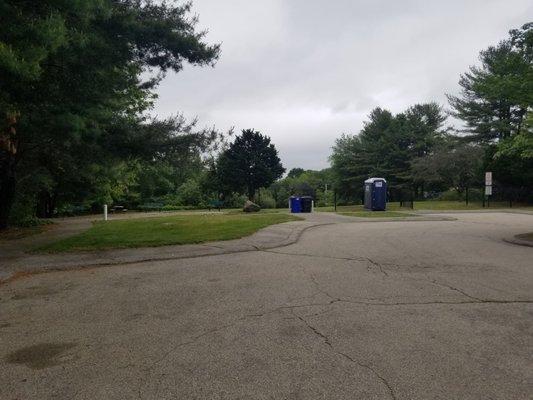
367	310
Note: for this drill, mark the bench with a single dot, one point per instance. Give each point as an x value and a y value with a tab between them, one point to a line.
218	204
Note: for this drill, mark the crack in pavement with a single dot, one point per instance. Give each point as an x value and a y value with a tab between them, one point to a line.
381	269
191	341
372	261
317	285
383	304
315	255
176	347
380	266
434	281
328	343
360	259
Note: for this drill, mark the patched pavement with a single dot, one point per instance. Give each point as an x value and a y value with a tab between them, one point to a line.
367	310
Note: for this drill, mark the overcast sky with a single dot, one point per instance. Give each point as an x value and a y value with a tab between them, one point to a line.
305	71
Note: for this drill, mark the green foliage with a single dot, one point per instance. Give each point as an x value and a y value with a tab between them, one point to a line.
457	166
265	199
190	193
74	90
304	183
496	95
295	172
386	147
496	103
517	150
249	163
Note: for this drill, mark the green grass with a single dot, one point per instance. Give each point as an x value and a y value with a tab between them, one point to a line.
377	214
168	230
431	205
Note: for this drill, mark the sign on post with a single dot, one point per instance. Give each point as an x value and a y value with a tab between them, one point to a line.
488	190
488	178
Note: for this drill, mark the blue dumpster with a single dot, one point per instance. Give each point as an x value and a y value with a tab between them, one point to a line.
295	204
376	194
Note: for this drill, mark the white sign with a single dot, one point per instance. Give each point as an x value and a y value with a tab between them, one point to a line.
488	178
488	190
379	184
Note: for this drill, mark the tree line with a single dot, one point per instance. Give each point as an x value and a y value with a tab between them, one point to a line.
419	156
78	79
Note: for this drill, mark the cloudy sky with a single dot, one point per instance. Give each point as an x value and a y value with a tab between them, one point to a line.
305	71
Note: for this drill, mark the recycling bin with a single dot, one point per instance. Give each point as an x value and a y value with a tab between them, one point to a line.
375	194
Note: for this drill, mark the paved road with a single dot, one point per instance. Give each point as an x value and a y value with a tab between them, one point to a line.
371	310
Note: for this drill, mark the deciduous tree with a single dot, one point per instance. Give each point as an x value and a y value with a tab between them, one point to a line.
249	163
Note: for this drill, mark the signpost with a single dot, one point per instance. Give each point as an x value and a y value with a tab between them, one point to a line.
488	187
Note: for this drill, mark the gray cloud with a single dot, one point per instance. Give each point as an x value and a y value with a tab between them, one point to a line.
304	72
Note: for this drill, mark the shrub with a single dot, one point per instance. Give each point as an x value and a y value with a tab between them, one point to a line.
265	199
190	193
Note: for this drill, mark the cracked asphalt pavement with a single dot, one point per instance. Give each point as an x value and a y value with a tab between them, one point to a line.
370	310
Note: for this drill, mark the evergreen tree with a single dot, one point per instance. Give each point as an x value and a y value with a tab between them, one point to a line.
496	95
72	93
385	147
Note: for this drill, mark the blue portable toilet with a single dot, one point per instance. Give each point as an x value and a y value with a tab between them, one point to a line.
376	194
295	204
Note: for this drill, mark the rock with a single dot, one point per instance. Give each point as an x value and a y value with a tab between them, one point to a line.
250	206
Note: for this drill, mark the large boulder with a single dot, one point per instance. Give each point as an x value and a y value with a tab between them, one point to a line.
250	206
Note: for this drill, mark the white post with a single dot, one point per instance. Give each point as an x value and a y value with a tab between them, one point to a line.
312	205
105	212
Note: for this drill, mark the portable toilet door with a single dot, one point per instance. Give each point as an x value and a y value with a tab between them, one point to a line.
295	204
376	194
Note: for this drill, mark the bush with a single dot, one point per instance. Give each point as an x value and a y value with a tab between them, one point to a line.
474	194
23	211
150	207
190	193
70	210
265	199
235	200
178	208
450	195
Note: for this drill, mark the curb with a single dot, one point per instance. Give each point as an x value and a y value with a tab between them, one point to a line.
263	239
242	245
518	242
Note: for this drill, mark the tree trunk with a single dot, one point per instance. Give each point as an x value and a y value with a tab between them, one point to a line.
7	189
8	162
251	193
46	204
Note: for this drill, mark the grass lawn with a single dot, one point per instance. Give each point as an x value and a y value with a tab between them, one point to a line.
160	231
377	214
429	205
